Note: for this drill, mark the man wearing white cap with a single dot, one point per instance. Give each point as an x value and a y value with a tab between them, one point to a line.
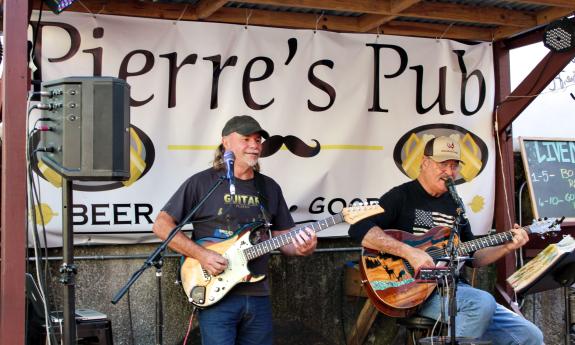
422	204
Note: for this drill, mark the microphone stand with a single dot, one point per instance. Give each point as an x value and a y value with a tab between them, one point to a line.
156	259
453	253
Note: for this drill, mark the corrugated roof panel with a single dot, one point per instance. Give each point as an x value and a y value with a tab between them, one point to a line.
444	22
509	5
234	4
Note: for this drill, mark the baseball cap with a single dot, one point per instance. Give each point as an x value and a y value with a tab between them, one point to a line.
244	125
442	149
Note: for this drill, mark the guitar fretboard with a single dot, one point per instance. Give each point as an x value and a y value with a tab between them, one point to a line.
479	243
488	241
284	239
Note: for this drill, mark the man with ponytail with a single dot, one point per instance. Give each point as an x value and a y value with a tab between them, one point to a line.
242	316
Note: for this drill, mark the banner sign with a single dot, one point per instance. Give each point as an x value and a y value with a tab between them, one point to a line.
348	114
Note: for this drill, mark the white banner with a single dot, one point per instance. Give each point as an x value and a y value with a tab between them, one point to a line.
362	104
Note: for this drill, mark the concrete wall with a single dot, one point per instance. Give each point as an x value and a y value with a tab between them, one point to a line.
309	302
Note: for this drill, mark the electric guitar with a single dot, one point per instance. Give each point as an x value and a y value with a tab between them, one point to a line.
389	280
204	289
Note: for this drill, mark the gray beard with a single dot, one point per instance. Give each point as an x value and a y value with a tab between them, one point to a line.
251	163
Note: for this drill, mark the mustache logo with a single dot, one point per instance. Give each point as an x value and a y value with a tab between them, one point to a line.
294	144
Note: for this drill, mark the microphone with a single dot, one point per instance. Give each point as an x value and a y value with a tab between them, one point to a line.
451	188
229	158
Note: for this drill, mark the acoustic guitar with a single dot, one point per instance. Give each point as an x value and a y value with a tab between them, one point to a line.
204	289
390	282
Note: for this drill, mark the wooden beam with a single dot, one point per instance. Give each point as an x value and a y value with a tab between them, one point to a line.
547	16
284	19
398	6
363	323
547	69
504	161
13	191
132	9
372	22
436	31
357	6
543	18
471	14
503	32
415	9
205	8
531	37
377	14
556	3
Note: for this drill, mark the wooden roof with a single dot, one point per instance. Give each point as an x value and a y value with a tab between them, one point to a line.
473	20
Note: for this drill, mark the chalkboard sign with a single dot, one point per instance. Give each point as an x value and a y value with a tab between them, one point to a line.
550	169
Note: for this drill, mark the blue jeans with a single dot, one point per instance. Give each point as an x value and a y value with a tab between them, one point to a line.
480	317
237	319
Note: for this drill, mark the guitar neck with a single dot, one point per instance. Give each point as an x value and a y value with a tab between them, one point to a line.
487	241
285	239
484	242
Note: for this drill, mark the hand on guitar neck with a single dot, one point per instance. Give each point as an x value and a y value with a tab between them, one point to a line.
520	238
489	255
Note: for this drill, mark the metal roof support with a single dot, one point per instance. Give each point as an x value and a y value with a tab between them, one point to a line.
13	197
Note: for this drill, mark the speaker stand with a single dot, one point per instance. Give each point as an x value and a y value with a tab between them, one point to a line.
68	269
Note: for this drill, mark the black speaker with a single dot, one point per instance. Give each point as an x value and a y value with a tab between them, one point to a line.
86	132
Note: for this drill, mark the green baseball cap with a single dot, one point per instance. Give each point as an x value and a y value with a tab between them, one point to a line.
244	125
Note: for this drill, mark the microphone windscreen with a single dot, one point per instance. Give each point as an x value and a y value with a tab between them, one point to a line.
229	156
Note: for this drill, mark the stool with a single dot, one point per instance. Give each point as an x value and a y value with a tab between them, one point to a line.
89	332
94	332
417	327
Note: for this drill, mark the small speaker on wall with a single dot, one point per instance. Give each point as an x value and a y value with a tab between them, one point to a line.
88	121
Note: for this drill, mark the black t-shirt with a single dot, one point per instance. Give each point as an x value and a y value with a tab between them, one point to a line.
223	214
410	208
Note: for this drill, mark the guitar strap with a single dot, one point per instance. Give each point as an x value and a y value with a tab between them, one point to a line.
262	196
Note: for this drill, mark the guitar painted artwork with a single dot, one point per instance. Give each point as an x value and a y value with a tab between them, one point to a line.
204	290
389	280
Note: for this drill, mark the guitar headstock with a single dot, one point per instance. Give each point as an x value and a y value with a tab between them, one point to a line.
546	225
355	213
